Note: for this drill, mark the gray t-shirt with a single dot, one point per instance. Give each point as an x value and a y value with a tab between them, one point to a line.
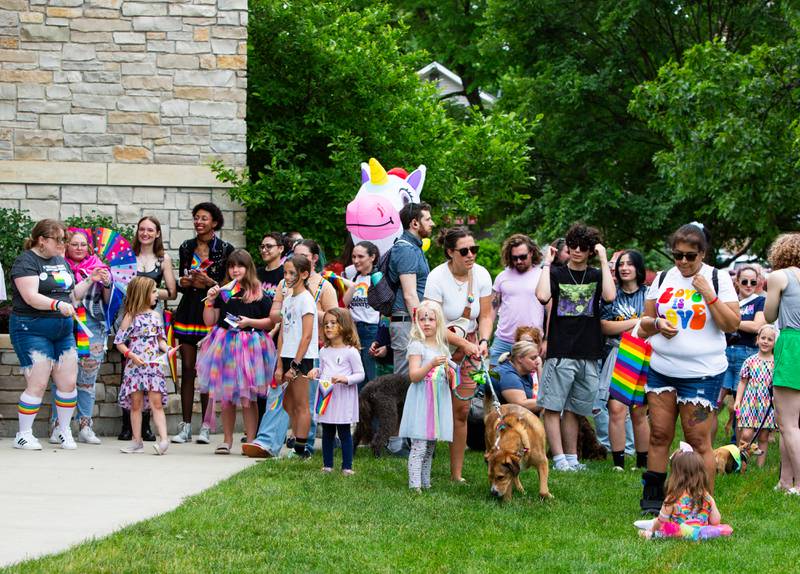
407	258
55	281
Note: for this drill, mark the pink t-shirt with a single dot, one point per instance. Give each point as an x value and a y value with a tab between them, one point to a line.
519	306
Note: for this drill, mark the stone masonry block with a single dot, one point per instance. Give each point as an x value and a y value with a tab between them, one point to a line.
80	123
215	78
213	109
40	209
42	33
156	24
43	191
79	193
144	9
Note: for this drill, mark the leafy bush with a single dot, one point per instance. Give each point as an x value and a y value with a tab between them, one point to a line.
96	220
17	227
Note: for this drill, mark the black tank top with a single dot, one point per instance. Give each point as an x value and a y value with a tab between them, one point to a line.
156	274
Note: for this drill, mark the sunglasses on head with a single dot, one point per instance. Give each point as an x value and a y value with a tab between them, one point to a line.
690	256
750	282
579	245
465	250
520	257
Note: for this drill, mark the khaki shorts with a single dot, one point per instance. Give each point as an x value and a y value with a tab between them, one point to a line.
570	385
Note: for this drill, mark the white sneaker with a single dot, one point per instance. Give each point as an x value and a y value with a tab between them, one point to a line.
55	436
644	524
203	437
160	447
67	442
86	434
133	448
184	433
563	466
578	467
26	441
618	469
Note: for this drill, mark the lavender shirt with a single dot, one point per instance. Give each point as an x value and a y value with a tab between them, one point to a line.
342	361
519	306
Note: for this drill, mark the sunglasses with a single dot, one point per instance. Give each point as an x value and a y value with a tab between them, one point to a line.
690	256
579	246
465	250
520	257
750	282
267	246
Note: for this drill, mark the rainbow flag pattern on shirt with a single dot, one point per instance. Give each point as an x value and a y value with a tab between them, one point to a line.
324	395
630	370
81	338
62	279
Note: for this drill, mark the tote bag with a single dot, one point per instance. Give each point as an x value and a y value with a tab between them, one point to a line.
630	370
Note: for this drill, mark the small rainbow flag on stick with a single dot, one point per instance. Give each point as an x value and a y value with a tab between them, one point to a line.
81	338
324	395
278	401
229	290
630	370
200	264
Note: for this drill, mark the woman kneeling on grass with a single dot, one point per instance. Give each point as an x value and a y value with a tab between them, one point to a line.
236	360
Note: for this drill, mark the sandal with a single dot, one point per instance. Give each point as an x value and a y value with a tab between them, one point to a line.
223	449
348	471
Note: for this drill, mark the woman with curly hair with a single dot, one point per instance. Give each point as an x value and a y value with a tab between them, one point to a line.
783	304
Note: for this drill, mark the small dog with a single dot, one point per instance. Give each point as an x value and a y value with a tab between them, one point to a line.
515	440
726	456
383	399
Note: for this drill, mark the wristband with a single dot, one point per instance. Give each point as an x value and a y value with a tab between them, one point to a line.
295	366
54	304
655	324
127	353
483	341
714	300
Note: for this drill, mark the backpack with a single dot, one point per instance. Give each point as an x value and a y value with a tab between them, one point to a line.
714	279
381	294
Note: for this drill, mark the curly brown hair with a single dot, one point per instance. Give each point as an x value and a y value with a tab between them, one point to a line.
785	251
532	332
515	241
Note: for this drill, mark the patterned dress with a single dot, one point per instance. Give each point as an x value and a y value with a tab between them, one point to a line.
757	373
142	339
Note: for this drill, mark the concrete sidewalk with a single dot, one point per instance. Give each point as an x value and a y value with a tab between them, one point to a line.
54	499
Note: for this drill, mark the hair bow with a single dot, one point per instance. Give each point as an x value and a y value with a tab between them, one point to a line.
698	224
685	447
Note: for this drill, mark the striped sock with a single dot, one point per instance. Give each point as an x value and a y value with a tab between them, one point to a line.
26	411
65	406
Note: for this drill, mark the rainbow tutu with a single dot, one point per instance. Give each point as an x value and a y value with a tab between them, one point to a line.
235	365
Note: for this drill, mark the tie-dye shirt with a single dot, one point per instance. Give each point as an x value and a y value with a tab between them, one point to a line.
684	511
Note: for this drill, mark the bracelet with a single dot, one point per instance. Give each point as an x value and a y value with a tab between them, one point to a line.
127	353
483	341
295	366
714	300
54	304
545	265
655	324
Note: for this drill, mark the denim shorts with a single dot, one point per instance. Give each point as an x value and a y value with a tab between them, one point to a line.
736	355
702	391
49	337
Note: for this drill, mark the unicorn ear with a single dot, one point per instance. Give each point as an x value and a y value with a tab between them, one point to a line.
416	179
364	172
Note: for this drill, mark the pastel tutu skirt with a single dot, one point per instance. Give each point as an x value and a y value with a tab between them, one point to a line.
235	366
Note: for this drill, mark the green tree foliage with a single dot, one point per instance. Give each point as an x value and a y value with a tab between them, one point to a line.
577	64
330	87
17	227
731	122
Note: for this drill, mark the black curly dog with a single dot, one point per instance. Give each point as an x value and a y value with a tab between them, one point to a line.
381	399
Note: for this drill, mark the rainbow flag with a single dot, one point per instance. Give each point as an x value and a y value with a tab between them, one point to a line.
169	329
630	370
339	283
229	290
200	264
324	395
81	338
278	401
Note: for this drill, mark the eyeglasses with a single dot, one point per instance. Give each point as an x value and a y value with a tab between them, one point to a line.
579	246
61	239
751	282
690	256
465	250
267	246
520	257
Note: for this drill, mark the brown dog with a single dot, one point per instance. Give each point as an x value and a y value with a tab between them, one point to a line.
515	440
726	461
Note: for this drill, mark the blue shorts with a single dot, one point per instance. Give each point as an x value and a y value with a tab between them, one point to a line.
702	391
736	355
47	337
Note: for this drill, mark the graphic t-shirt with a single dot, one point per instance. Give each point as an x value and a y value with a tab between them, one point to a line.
359	307
625	306
698	350
55	281
236	307
295	307
748	308
575	319
519	306
270	279
453	295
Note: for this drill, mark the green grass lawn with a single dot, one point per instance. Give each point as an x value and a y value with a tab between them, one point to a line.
286	516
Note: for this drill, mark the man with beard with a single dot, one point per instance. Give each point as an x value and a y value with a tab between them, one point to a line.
514	293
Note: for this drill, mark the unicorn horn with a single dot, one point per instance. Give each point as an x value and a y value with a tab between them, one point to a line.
377	175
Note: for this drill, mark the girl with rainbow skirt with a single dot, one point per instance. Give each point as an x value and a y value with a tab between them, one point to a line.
427	412
236	361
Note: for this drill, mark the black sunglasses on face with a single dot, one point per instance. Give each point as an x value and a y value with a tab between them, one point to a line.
679	256
751	282
520	257
579	246
465	250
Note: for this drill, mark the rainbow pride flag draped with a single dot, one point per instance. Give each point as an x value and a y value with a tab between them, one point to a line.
630	370
81	338
324	396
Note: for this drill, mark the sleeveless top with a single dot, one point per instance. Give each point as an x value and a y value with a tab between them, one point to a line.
156	274
789	310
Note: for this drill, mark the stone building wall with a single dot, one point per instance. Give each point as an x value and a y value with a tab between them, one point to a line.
119	107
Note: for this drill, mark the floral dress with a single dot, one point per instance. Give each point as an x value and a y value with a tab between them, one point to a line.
757	374
142	339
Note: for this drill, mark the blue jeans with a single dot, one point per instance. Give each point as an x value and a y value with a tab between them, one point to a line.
88	369
736	355
498	348
275	423
329	432
36	338
366	334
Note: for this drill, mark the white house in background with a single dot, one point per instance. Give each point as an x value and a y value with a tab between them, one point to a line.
449	82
